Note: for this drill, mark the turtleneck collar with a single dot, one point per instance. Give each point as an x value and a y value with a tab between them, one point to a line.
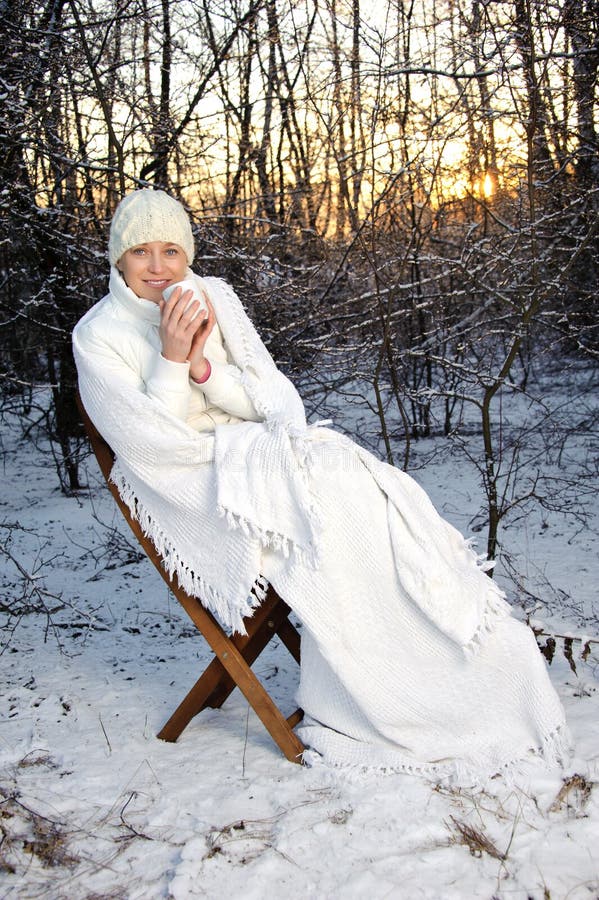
140	308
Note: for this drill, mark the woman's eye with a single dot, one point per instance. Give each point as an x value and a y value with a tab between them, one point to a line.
172	251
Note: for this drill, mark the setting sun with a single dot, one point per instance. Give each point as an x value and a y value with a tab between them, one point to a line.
488	185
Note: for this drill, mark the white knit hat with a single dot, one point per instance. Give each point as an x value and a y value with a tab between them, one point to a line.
145	216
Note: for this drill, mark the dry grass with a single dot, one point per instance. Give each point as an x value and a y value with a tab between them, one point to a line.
476	840
573	795
25	833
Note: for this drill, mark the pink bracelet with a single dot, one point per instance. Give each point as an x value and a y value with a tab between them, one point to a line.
204	377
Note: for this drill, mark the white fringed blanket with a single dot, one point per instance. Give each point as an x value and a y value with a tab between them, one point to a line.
255	499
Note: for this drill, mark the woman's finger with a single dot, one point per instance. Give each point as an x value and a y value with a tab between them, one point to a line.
200	314
210	314
201	335
172	301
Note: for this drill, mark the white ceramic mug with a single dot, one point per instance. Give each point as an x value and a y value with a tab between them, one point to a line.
189	284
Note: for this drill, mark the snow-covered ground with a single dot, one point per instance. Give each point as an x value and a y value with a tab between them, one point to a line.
93	805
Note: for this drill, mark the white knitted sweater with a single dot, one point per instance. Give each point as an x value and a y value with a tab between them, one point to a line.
254	498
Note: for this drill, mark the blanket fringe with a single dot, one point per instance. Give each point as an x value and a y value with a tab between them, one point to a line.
274	540
553	752
557	746
230	613
433	771
496	608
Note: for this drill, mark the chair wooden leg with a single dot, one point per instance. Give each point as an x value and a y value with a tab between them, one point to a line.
215	685
236	661
251	645
295	718
291	639
281	729
259	631
265	708
195	701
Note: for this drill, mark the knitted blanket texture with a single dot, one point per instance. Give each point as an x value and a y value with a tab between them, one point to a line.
249	499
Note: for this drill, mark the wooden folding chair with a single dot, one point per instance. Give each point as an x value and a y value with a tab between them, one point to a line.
231	666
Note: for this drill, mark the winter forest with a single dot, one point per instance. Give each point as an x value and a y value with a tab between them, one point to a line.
405	195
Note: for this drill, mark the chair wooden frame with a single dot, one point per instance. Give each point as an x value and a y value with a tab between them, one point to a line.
233	655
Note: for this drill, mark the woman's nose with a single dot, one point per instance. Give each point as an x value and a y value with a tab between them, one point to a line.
155	262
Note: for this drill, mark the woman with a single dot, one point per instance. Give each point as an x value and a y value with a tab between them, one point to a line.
410	658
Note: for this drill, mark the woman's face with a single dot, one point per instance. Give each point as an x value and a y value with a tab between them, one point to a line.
149	268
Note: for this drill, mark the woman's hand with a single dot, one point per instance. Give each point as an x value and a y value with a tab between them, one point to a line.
182	336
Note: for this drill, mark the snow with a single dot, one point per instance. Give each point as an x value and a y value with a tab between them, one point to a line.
94	805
